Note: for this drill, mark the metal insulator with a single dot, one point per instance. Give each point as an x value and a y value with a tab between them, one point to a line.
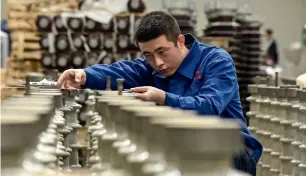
58	23
108	83
94	41
44	42
91	25
123	24
44	23
63	61
122	42
47	60
136	6
109	27
75	24
62	43
92	58
108	43
78	60
78	41
120	86
108	59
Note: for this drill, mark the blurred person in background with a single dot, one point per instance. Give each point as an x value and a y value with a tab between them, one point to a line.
271	56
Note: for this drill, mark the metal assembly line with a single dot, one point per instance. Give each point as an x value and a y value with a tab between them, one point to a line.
123	135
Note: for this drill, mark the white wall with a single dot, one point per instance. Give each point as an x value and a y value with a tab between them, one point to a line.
285	17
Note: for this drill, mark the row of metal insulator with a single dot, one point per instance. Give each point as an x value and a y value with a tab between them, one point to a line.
64	61
92	42
78	24
126	136
185	19
138	138
277	120
56	148
246	53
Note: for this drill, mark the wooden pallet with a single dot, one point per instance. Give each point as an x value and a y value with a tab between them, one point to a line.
22	15
17	70
3	76
25	46
27	55
17	6
32	66
41	5
21	24
13	77
27	36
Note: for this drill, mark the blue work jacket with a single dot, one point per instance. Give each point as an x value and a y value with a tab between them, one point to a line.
206	81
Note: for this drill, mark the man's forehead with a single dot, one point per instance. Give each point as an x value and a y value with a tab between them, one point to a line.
152	45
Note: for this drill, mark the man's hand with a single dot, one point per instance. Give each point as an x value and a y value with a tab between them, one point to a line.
72	79
148	93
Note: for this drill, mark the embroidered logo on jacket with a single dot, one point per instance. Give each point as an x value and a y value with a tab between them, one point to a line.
197	75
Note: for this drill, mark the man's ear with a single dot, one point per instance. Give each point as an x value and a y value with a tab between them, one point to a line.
181	40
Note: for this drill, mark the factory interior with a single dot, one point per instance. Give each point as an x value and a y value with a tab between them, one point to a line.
72	102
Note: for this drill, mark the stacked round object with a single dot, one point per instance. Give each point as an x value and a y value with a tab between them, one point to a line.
221	21
77	39
45	123
243	30
247	52
184	12
276	120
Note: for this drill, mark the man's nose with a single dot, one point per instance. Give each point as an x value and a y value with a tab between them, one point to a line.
158	61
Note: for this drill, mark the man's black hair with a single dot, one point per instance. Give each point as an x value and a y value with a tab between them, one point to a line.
269	31
155	24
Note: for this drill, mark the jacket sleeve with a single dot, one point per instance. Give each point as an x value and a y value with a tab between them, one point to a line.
217	89
135	73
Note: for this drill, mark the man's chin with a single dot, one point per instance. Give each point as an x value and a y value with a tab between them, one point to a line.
167	74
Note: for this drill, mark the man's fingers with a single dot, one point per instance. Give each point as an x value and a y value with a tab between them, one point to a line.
71	75
67	86
78	76
141	96
63	77
63	86
140	89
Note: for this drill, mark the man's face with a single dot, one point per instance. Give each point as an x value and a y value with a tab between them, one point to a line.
268	36
163	55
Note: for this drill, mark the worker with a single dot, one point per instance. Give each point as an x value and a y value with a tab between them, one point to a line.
271	51
178	71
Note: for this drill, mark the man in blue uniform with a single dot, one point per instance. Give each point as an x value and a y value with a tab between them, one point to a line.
176	71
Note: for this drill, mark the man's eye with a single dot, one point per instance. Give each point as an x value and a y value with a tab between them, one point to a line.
161	52
147	55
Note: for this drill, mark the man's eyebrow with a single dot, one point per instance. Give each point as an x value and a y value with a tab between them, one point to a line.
160	48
